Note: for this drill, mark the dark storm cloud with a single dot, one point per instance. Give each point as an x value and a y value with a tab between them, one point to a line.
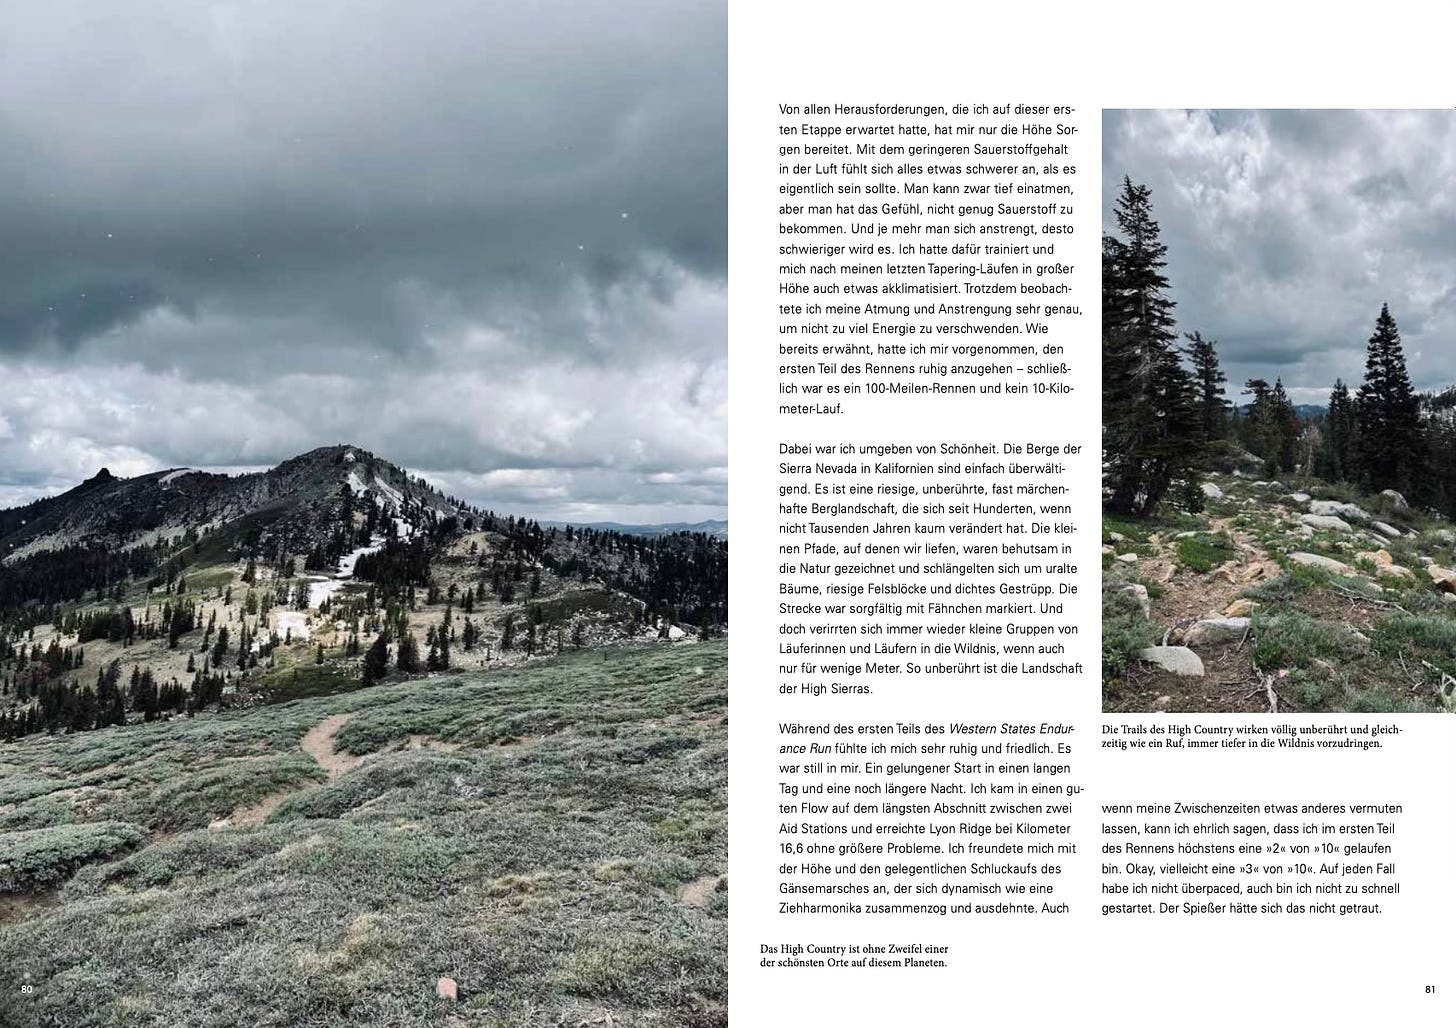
1288	229
324	216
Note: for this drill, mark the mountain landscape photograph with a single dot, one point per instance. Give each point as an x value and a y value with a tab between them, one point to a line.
1279	411
363	515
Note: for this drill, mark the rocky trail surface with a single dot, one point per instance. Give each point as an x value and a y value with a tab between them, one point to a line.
1280	598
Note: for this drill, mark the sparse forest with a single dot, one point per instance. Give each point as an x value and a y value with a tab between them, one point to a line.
215	591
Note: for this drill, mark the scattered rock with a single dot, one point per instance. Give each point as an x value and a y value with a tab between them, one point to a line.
1325	523
1300	497
1333	508
1239	608
1277	485
1117	537
1396	500
1445	535
1444	578
1186	535
219	824
1393	571
1314	560
1212	491
1228	572
1163	701
1377	557
1127	558
446	988
1213	631
1389	531
1180	660
1448	598
1107	550
1425	561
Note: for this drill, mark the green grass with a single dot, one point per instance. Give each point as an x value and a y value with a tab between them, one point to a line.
539	864
296	680
1203	553
1125	630
1290	639
1417	637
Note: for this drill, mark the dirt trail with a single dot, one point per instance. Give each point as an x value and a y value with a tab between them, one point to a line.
700	892
258	812
1190	595
318	743
1230	682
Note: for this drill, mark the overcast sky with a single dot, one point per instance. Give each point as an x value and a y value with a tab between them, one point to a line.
1288	229
485	239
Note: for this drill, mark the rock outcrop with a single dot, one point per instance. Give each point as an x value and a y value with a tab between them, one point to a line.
1180	660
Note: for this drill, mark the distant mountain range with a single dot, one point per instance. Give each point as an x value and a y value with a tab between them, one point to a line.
1304	410
716	529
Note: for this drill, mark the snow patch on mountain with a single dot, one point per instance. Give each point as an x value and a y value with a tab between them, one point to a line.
292	624
325	588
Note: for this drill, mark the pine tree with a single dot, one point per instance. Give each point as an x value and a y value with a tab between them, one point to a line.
1151	425
376	660
407	659
1287	428
1263	426
1387	412
1213	407
1336	460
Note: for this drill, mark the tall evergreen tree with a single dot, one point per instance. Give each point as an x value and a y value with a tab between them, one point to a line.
1151	427
1213	407
1387	413
1287	426
376	660
1336	461
1259	427
408	657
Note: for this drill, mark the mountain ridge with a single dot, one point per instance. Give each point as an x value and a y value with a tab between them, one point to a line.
121	512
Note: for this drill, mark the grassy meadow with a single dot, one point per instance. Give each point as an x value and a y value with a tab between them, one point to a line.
553	837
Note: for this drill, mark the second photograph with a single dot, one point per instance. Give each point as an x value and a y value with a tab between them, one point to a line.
1279	414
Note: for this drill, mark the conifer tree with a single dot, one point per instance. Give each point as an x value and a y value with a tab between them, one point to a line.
1336	461
1151	426
376	660
1287	428
1213	407
407	659
1387	413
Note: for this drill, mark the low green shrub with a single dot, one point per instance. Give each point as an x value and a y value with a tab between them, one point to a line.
41	857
